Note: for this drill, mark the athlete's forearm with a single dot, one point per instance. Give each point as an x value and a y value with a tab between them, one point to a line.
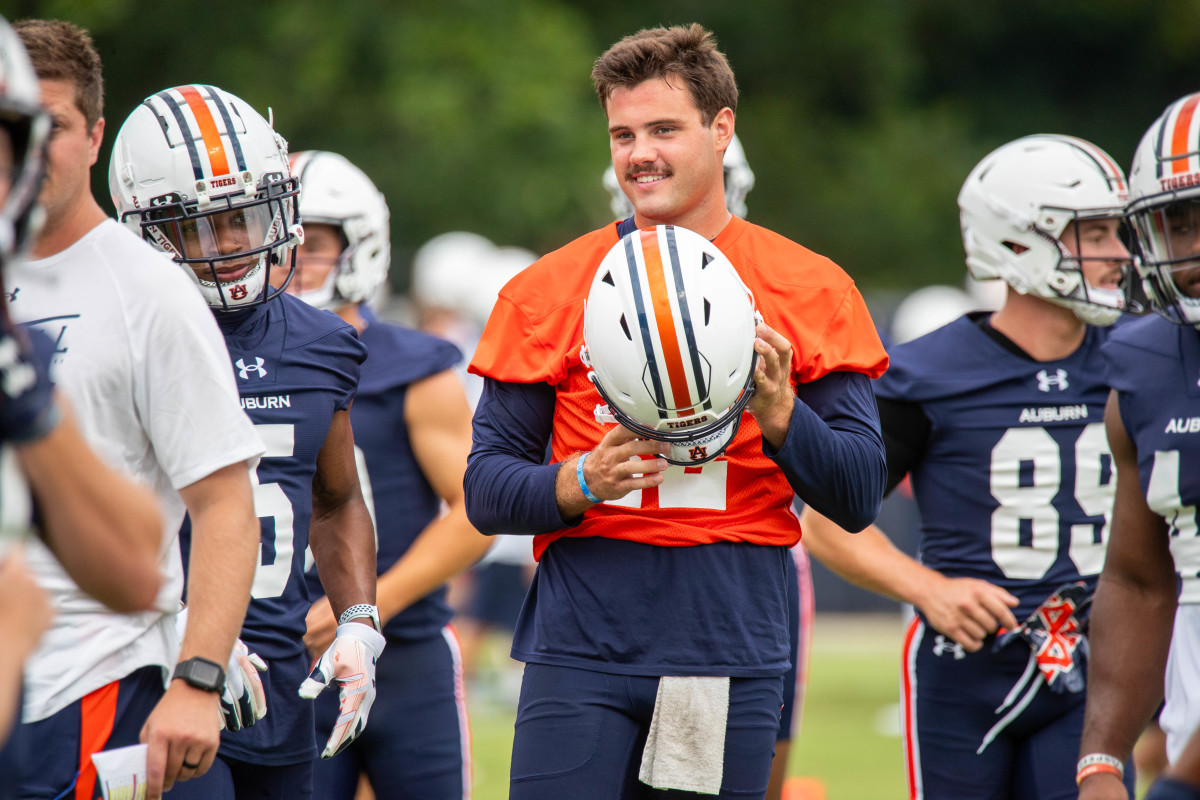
445	548
1129	635
224	553
867	559
343	545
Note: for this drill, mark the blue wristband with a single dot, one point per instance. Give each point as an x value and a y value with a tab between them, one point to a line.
583	487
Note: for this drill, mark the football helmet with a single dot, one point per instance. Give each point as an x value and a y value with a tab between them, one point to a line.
668	331
739	180
1164	187
335	192
1016	203
204	178
28	128
446	269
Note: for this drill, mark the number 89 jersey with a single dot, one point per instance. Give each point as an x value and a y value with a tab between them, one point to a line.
1015	484
294	366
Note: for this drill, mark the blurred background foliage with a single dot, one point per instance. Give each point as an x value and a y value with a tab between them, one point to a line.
860	118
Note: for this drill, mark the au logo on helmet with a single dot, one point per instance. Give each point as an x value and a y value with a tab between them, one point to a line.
668	333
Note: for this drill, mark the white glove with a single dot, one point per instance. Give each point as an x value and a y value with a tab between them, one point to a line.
243	702
350	661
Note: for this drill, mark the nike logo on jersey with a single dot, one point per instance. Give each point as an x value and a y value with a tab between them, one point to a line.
245	369
274	401
1183	425
1046	380
1054	413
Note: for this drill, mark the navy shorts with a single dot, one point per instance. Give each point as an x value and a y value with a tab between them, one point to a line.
56	751
416	735
230	779
499	591
1169	789
985	725
579	735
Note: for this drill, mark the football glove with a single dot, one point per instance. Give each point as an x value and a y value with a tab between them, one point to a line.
243	702
350	662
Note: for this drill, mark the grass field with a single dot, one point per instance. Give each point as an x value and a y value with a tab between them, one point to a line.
849	745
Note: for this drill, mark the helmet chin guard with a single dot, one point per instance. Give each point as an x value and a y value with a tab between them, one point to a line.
669	342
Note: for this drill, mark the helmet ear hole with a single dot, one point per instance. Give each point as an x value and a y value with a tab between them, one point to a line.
625	328
608	278
707	310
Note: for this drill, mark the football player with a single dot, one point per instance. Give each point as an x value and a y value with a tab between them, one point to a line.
416	433
739	180
142	362
90	516
1151	578
997	418
651	578
204	178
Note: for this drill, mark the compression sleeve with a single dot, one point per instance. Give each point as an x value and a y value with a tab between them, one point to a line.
507	487
833	455
905	432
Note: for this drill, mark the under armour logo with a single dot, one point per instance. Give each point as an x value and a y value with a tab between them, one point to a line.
245	369
1046	380
942	645
698	453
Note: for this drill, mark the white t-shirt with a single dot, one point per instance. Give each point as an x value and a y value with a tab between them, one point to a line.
144	365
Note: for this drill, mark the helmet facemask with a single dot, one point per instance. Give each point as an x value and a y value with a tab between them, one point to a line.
231	246
1168	236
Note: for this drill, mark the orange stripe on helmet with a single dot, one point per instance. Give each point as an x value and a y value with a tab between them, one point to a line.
1180	144
660	298
208	130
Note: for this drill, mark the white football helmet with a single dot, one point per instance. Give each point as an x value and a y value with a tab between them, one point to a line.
1164	187
335	192
1015	205
28	127
739	180
446	269
204	178
668	331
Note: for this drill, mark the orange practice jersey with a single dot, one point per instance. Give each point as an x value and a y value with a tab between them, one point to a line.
535	334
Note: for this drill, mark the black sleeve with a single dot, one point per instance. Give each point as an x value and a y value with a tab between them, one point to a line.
905	432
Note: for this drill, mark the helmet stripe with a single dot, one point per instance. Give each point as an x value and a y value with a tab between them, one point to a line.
639	303
1103	162
208	129
1181	138
188	141
235	142
656	279
685	315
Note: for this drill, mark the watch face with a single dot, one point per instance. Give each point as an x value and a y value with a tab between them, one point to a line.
206	673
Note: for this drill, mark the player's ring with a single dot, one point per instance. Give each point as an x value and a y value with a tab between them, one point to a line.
191	766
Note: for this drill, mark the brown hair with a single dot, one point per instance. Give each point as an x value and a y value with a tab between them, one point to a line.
62	51
686	52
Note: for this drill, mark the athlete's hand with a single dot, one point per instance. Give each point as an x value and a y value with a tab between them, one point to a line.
966	609
321	627
1103	786
773	396
349	662
184	728
615	467
243	702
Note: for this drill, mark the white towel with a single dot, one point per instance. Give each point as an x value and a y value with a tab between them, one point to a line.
685	748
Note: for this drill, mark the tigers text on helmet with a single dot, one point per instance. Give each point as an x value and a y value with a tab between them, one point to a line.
1164	187
668	333
204	178
739	180
28	128
1017	202
335	192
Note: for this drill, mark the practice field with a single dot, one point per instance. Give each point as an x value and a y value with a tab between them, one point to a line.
849	746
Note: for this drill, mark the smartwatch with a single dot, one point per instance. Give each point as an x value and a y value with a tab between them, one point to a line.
201	673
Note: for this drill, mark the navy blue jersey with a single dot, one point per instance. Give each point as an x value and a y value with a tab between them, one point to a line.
404	501
1015	482
1154	366
294	366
